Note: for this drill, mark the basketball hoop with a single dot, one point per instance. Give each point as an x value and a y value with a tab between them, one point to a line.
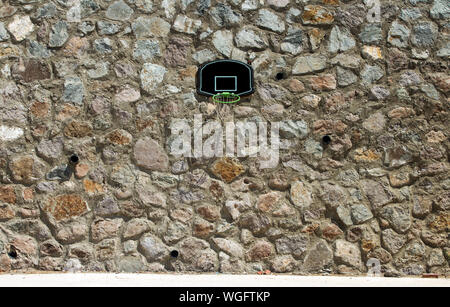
226	97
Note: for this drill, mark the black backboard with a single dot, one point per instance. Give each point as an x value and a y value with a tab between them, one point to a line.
225	76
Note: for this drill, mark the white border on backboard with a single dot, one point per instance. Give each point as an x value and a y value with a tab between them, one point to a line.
225	77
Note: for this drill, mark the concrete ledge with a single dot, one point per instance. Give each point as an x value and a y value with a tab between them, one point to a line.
208	280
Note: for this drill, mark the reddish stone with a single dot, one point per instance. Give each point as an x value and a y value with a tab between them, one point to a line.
76	46
324	127
317	15
92	187
323	83
177	51
227	169
40	109
81	170
6	212
119	137
7	194
28	194
331	232
67	111
77	129
66	206
260	251
202	229
209	213
30	70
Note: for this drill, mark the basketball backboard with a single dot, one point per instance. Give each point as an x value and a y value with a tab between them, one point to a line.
225	76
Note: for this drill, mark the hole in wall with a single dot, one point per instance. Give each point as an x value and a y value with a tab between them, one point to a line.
74	159
12	253
279	76
174	254
326	139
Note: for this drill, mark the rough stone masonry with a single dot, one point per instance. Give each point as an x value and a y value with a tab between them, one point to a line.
365	107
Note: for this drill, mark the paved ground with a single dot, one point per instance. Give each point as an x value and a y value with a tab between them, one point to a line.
171	280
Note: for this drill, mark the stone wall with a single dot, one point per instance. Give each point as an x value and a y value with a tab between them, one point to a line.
364	107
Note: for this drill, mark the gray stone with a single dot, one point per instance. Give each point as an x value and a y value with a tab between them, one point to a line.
319	258
345	77
123	176
347	253
294	129
397	156
344	214
410	78
108	207
301	195
340	40
203	56
59	173
107	28
376	193
86	27
4	35
146	50
119	10
88	7
415	2
371	73
131	264
379	92
436	258
314	148
197	256
230	247
398	35
440	10
248	38
103	45
224	16
294	245
398	216
73	90
392	241
375	123
250	5
293	15
21	27
150	27
444	51
145	6
430	91
410	14
371	33
59	34
223	42
151	76
361	214
309	64
424	34
203	6
293	42
347	61
38	50
152	248
46	11
268	20
100	71
184	24
50	150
